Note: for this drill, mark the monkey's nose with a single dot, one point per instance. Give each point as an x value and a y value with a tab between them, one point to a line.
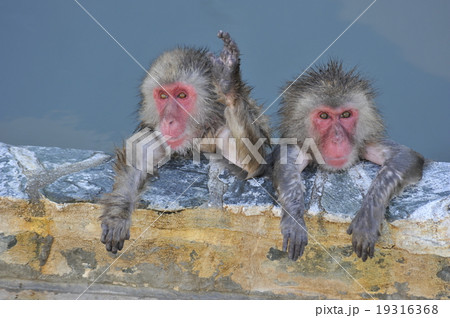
337	139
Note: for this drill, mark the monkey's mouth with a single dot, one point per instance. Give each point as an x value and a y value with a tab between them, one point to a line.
336	162
176	141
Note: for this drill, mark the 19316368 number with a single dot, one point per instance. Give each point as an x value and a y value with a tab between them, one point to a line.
403	309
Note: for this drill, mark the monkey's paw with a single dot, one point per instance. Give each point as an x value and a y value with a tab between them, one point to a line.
115	231
230	52
365	232
226	65
295	237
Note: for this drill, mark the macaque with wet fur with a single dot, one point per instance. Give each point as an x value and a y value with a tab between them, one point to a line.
336	109
188	94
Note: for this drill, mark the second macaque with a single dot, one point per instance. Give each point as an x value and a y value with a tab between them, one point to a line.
336	109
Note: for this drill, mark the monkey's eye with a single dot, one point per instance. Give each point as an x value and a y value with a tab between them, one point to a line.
324	116
346	114
163	95
182	95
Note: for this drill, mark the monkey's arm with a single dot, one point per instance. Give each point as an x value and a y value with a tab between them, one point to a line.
241	110
289	185
120	203
401	166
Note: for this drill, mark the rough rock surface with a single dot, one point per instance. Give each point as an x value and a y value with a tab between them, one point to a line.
221	239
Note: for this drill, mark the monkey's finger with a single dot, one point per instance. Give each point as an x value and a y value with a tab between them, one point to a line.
298	251
114	247
285	242
358	249
120	245
127	236
350	230
365	251
122	233
292	248
118	238
104	233
372	250
234	49
295	254
354	245
364	255
108	240
229	43
225	36
292	255
301	249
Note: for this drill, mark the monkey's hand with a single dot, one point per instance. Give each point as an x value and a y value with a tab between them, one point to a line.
115	230
365	228
295	237
226	68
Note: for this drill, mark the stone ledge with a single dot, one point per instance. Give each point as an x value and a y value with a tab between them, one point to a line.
221	241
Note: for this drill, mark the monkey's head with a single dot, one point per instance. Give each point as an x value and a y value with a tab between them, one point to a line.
336	108
178	97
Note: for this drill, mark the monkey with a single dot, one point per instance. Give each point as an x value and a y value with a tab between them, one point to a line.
336	109
188	93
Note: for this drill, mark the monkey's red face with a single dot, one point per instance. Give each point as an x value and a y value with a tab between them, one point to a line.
175	104
335	129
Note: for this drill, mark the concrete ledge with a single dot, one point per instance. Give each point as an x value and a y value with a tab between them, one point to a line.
203	254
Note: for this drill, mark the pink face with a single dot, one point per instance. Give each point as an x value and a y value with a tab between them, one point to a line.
175	104
335	128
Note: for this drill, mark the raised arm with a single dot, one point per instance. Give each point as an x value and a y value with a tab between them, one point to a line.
242	114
